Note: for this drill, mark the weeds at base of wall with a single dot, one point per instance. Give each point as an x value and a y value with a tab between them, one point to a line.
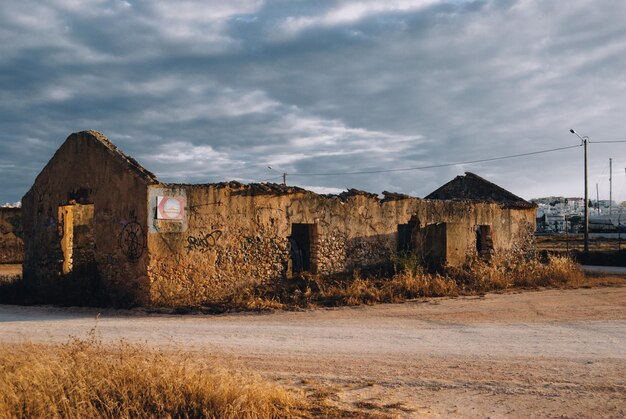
84	378
475	278
406	280
409	281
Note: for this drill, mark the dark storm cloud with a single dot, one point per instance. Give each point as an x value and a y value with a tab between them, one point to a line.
203	92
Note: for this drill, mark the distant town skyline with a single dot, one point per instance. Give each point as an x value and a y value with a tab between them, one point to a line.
204	92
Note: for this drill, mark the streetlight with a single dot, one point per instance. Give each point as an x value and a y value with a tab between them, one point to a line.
584	142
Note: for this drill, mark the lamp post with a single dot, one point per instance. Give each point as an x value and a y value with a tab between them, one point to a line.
584	142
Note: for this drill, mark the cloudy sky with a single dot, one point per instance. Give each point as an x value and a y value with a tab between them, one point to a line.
202	92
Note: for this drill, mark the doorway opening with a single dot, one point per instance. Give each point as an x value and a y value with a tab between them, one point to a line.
404	238
76	229
406	242
300	244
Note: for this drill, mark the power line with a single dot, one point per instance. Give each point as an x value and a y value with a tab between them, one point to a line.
436	165
405	169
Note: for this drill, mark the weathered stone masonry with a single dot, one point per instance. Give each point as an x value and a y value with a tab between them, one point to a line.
11	244
227	236
239	233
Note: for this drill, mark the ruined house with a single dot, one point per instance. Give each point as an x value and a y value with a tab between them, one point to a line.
94	212
11	245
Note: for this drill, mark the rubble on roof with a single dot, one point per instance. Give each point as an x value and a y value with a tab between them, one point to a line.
356	192
394	196
248	188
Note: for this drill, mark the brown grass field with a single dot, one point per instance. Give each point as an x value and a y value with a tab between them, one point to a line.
85	379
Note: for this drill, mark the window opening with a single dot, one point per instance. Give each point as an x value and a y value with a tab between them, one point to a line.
484	242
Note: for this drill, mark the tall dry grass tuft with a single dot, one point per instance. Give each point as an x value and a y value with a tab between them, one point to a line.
412	281
557	271
85	379
417	283
514	270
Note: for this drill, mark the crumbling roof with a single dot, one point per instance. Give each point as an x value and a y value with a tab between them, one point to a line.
472	187
247	188
356	192
132	164
394	196
266	188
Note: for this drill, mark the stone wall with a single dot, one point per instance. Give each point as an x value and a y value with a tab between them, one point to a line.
95	220
90	174
234	236
11	242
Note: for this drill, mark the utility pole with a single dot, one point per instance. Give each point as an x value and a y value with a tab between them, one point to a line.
610	187
597	200
584	140
284	175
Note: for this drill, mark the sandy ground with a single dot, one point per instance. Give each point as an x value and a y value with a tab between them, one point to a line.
553	353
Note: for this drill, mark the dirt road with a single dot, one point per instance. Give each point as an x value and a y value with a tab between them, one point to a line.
541	354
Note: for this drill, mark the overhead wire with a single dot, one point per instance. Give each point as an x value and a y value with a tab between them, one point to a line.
434	166
373	171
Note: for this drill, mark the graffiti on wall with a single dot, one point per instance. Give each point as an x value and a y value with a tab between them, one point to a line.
132	240
203	242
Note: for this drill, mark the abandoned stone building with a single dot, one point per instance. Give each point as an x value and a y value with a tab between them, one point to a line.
94	211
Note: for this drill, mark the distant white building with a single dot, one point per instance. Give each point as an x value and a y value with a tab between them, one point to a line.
558	215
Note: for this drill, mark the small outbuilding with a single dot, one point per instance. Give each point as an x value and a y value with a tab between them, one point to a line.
95	218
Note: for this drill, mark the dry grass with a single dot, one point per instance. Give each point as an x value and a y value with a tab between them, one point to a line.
505	272
84	379
475	277
409	282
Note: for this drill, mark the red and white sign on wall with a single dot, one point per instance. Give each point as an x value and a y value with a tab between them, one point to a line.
170	207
